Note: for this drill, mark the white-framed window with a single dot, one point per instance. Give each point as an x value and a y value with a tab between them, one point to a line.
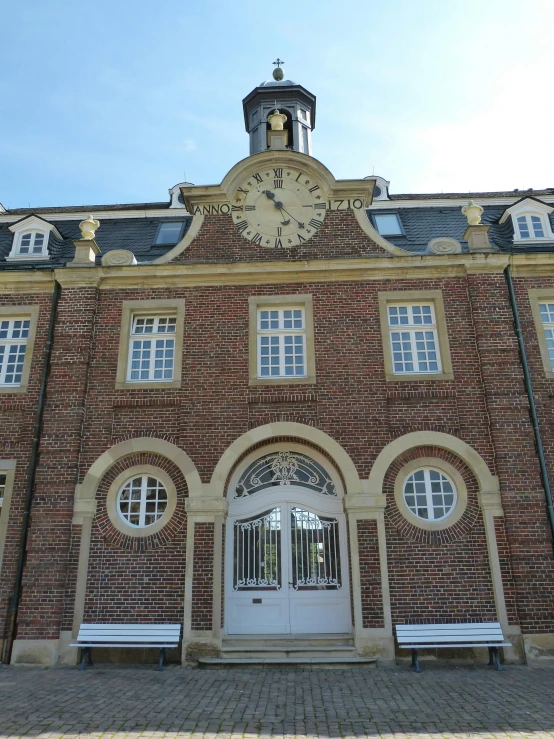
413	338
152	349
14	333
547	318
281	342
388	224
30	239
430	494
32	243
142	501
530	227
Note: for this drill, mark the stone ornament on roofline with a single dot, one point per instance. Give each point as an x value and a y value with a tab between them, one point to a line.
473	213
89	228
118	258
444	245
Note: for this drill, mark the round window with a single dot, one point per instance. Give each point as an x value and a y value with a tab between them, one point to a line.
142	501
430	494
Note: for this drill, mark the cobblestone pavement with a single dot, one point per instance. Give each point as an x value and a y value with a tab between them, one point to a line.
117	702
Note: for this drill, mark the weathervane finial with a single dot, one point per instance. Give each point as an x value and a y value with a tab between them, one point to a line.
278	72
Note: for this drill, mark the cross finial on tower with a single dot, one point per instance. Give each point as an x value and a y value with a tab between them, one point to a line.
278	73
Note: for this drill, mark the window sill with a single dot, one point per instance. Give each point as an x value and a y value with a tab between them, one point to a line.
281	380
147	385
419	376
28	258
542	240
13	389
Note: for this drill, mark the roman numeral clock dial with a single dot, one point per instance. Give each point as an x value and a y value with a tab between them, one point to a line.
278	208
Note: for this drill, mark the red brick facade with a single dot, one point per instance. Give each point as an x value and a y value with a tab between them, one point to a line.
433	576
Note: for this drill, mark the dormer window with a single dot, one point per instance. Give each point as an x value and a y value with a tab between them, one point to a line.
388	224
530	227
170	232
531	220
31	237
32	242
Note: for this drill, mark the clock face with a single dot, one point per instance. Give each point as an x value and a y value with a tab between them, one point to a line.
278	207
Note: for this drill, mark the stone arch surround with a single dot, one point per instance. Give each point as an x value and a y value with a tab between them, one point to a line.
300	433
487	493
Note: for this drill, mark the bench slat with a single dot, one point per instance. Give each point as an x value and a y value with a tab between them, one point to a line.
130	646
419	645
131	633
128	635
457	634
128	639
130	627
439	627
444	639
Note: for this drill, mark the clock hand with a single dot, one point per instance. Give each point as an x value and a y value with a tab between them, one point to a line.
283	210
269	194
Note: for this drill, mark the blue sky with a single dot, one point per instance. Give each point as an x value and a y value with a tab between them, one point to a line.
119	102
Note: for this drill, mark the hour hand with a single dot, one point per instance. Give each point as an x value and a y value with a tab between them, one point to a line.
269	194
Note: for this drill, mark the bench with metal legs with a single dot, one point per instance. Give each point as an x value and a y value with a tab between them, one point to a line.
160	636
439	636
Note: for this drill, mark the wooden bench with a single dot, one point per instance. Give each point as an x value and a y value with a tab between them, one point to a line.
160	636
438	636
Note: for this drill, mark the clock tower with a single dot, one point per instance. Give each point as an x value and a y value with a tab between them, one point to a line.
290	100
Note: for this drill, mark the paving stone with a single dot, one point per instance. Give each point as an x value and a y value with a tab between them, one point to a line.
120	702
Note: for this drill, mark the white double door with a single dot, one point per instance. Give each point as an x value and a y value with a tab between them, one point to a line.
286	562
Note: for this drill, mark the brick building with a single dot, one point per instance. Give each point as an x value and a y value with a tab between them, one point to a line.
282	405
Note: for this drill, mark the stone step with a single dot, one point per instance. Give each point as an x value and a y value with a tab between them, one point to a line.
286	640
282	663
263	652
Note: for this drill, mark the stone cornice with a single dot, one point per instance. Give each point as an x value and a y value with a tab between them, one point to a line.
280	272
27	281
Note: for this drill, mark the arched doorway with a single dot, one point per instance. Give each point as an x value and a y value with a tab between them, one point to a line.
286	548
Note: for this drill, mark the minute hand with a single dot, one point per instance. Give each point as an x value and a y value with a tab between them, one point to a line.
300	224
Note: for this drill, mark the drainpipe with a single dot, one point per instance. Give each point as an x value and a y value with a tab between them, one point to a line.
14	607
531	398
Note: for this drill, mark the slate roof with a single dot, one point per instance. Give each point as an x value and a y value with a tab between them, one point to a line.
134	234
474	195
421	224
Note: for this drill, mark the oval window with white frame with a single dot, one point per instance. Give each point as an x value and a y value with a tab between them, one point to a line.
430	493
141	500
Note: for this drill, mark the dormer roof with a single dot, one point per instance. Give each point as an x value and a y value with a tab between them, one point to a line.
34	221
524	205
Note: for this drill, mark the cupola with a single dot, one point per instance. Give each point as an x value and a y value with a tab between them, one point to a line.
279	114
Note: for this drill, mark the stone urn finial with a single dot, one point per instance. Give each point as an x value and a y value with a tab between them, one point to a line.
277	120
89	228
473	213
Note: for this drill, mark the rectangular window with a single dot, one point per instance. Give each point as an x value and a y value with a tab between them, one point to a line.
530	227
388	224
32	242
281	342
14	333
547	318
7	474
169	233
152	349
413	337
